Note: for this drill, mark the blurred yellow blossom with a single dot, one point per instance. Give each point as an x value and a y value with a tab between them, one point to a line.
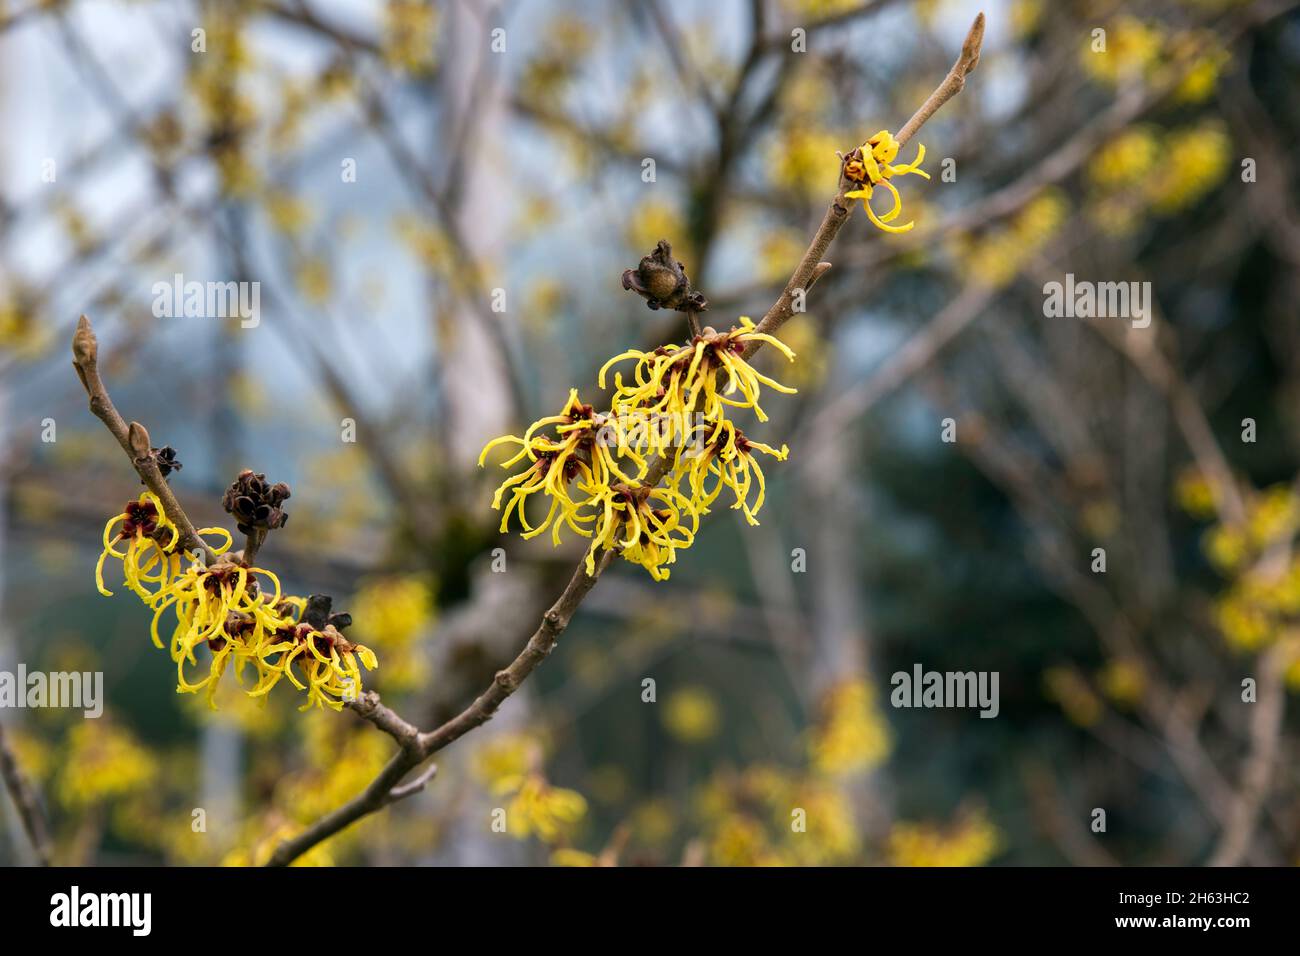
852	735
801	334
1132	49
32	754
779	250
259	843
570	857
1195	495
1076	698
103	762
506	757
803	161
970	841
1205	59
691	715
653	822
1125	158
653	219
538	808
289	214
1195	161
389	613
740	841
410	34
1026	15
1122	680
315	279
996	255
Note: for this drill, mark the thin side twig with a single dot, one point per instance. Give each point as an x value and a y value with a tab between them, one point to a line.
25	800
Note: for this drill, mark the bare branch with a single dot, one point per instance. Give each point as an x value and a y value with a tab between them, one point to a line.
952	84
24	797
133	438
811	267
1257	771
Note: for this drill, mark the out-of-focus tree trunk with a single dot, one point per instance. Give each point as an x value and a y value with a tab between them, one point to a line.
474	372
477	393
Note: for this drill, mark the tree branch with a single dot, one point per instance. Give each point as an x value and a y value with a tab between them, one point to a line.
133	438
811	267
24	797
385	788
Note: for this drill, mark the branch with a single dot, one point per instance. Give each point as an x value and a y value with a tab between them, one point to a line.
416	747
385	788
811	267
133	438
24	797
952	84
1257	771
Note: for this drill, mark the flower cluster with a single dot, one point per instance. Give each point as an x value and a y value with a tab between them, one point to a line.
970	840
595	467
1146	171
234	611
872	165
766	815
512	766
1136	50
851	736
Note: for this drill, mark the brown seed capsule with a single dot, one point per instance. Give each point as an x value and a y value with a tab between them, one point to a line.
255	503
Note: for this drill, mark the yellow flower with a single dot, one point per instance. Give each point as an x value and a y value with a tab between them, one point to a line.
799	160
569	857
972	841
1195	495
555	461
852	736
410	34
330	664
1122	680
727	456
508	757
673	382
592	466
651	220
1195	161
1128	157
147	559
739	841
390	612
690	714
871	165
1133	49
649	539
1203	69
103	762
538	808
1072	692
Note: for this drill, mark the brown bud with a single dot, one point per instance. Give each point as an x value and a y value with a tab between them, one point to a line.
85	347
137	436
662	281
